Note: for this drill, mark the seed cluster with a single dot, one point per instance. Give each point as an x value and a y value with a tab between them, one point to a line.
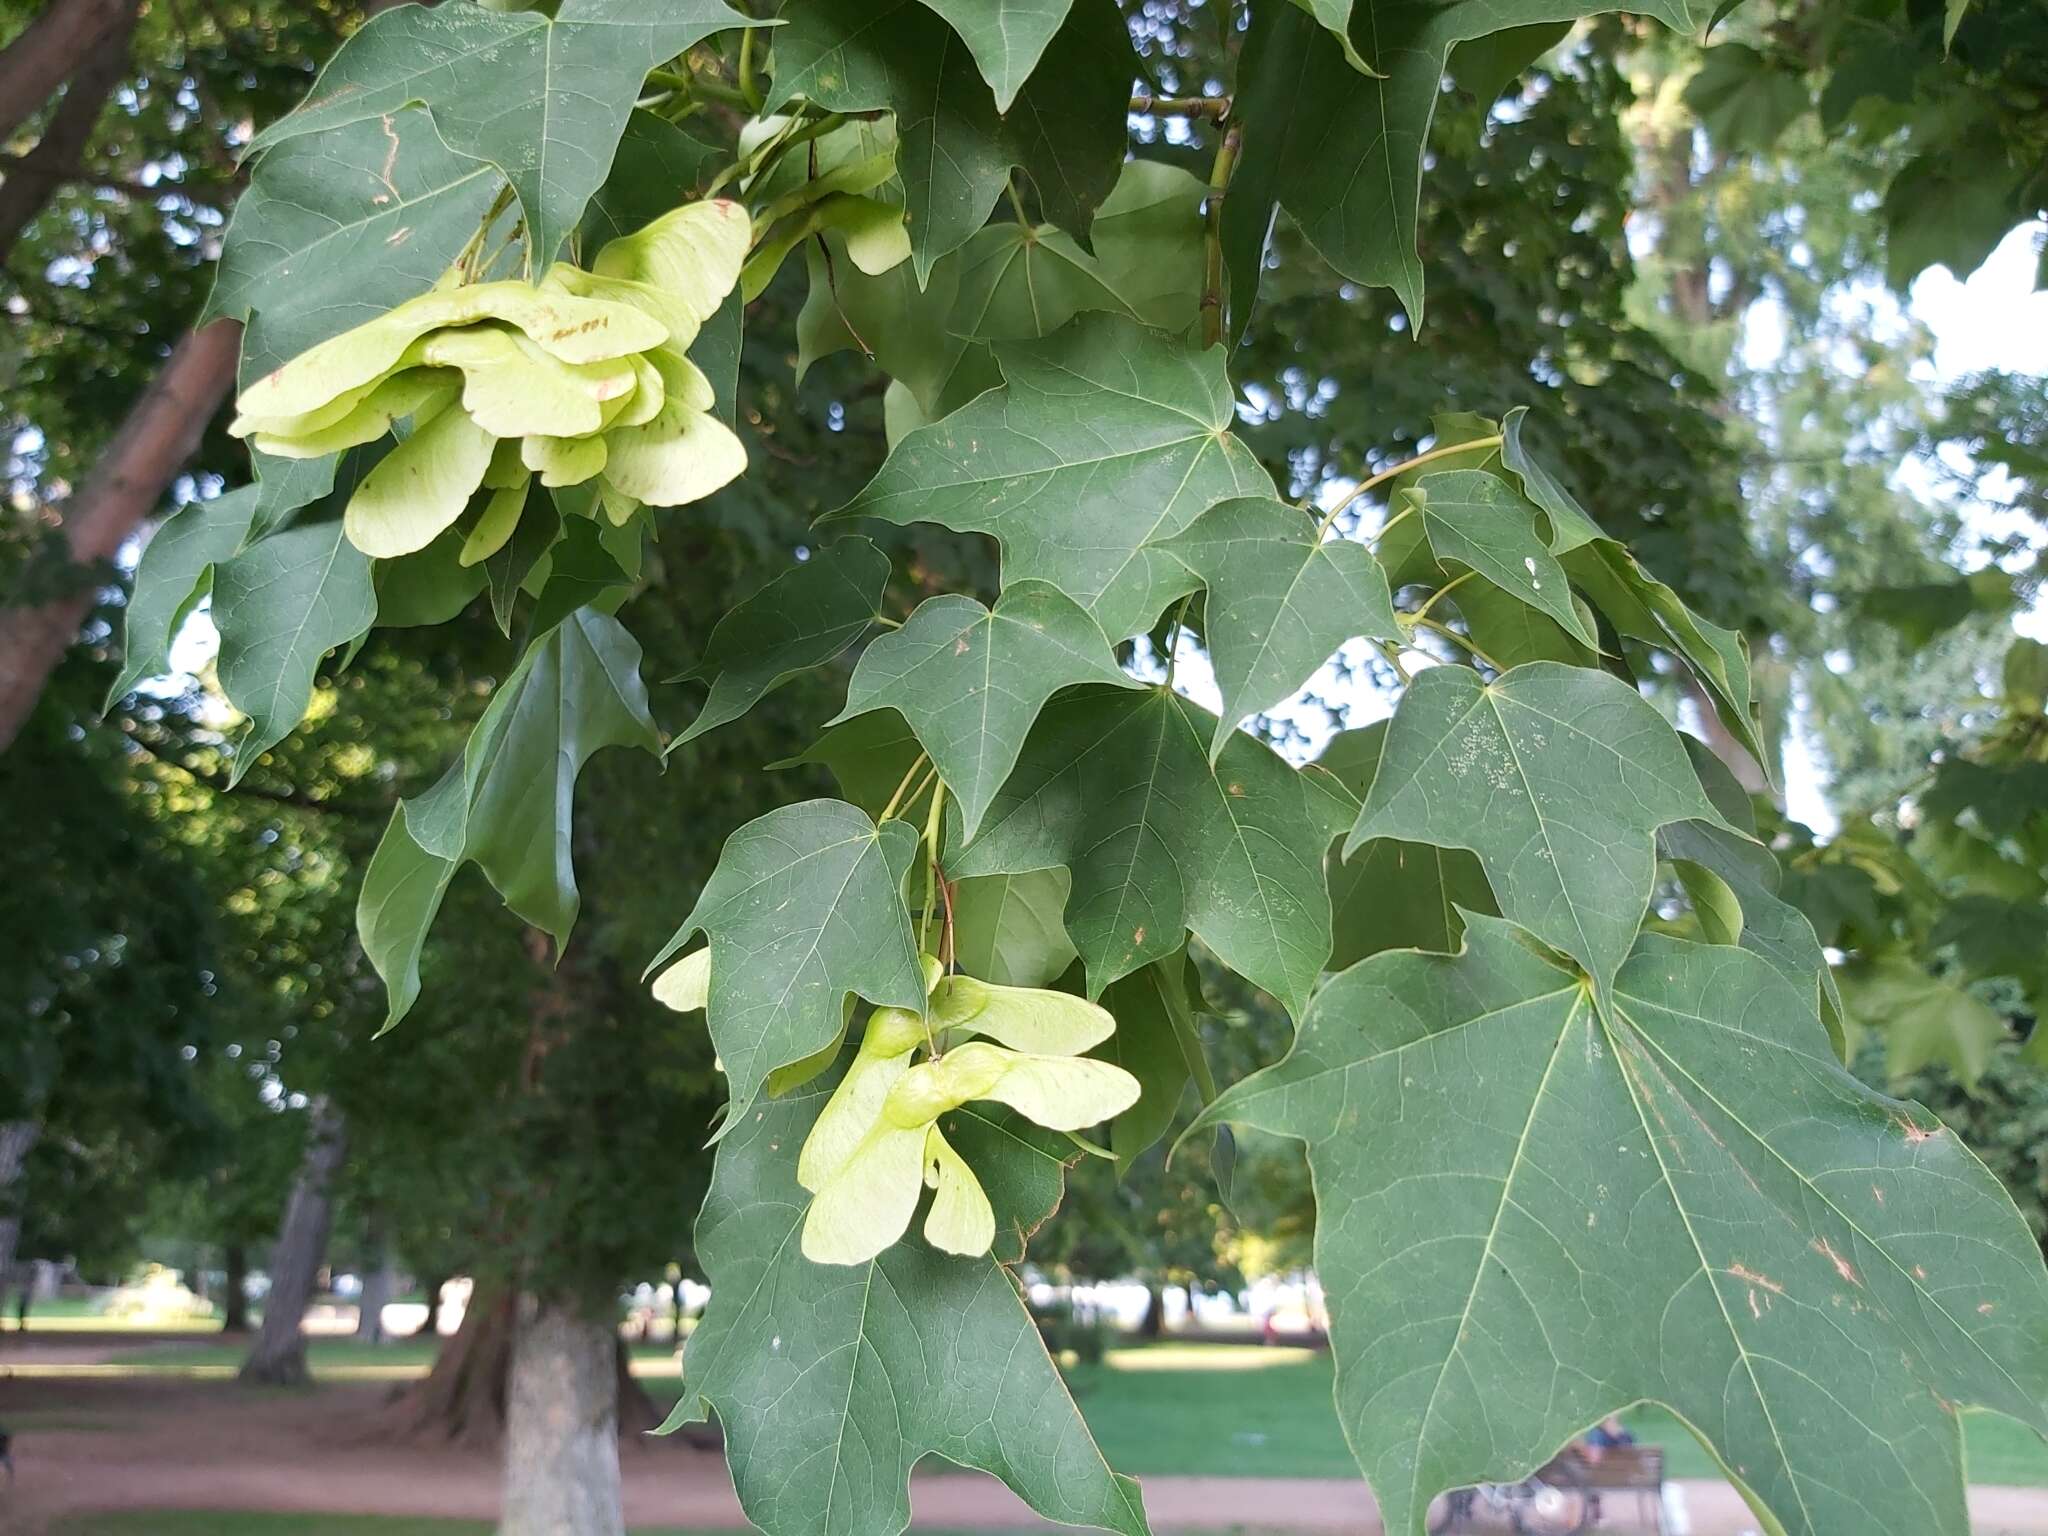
581	376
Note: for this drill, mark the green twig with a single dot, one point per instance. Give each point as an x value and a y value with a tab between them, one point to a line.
1448	587
1440	452
1452	635
897	799
1212	234
750	91
1172	642
934	827
1217	107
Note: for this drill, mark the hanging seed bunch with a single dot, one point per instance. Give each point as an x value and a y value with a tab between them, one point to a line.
877	1144
581	376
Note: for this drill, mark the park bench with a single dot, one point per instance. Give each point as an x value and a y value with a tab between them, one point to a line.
1636	1469
1562	1497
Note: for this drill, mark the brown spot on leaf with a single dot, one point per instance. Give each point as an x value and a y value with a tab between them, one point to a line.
1751	1277
1843	1267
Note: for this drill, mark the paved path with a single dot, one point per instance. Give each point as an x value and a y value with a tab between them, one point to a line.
92	1444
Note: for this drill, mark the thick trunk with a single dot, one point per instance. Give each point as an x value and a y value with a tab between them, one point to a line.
160	433
59	155
279	1356
462	1398
562	1426
51	48
377	1288
235	1300
17	1139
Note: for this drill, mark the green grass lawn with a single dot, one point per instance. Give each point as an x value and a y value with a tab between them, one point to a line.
1163	1410
70	1314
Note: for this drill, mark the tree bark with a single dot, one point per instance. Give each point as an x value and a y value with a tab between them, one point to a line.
235	1304
462	1399
377	1288
562	1426
59	155
160	433
50	49
17	1140
279	1355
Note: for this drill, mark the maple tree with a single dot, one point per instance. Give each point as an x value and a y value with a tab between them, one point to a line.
495	273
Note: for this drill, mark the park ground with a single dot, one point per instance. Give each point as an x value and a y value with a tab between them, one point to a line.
149	1435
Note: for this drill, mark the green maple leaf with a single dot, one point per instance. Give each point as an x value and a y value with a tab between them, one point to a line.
281	603
1343	154
173	575
1682	1199
1106	438
971	680
1480	521
507	804
1557	778
544	99
1117	787
1066	127
1019	282
1006	37
1744	100
1335	15
1281	599
832	1381
802	619
1767	924
1644	608
1158	1041
1998	936
1570	524
338	228
1391	894
804	909
1921	1018
1011	282
1011	929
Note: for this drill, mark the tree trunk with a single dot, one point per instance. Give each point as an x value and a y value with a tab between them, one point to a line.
51	48
59	155
377	1288
279	1357
562	1426
17	1139
462	1399
160	433
431	1328
235	1304
1152	1324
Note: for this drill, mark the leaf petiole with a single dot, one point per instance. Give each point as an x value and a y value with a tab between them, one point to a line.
1435	597
1443	450
1451	634
896	799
